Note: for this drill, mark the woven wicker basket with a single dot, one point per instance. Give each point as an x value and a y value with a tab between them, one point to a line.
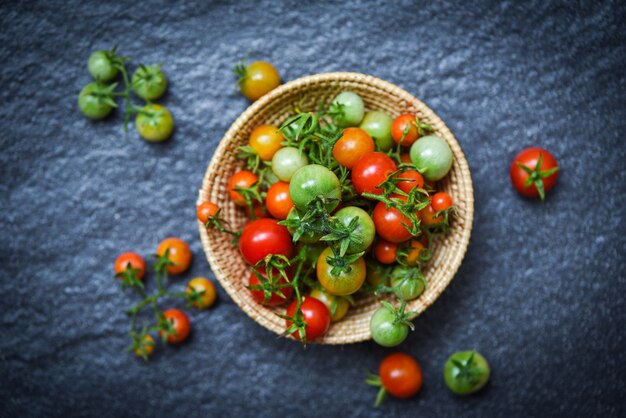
230	268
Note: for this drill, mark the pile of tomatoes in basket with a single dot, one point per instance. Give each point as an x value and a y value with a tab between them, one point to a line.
341	202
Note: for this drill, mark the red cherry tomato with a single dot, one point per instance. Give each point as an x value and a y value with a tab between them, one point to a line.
316	316
242	178
406	159
428	216
400	375
370	171
278	201
275	299
179	254
180	323
260	211
399	125
385	251
441	201
133	260
353	144
411	180
263	237
206	210
388	222
531	179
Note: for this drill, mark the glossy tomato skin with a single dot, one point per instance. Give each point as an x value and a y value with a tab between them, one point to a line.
341	304
311	181
344	283
411	179
310	237
370	171
287	161
386	331
398	127
441	201
135	260
154	123
461	383
95	101
353	144
181	324
263	237
378	125
401	375
260	78
429	216
352	108
206	210
530	157
243	178
101	65
275	299
408	288
365	227
432	156
316	316
278	201
179	254
206	288
385	251
149	82
388	222
266	140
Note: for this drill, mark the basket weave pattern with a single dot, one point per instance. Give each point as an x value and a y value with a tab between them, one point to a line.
273	108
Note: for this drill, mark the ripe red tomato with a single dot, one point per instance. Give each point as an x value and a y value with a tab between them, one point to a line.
134	260
278	201
316	316
275	299
398	127
263	237
242	178
441	201
411	180
531	179
206	210
400	375
353	144
428	217
385	251
179	254
180	323
389	222
260	211
370	171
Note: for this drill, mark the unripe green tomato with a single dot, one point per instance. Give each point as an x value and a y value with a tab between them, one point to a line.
352	107
365	230
312	181
309	238
432	157
386	331
471	377
286	161
378	125
408	288
94	101
149	82
155	124
101	67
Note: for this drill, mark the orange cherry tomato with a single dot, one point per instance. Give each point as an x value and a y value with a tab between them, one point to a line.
266	140
206	210
428	216
441	201
353	144
179	254
412	179
134	260
206	288
242	178
400	375
413	255
258	79
148	346
278	201
385	251
180	323
398	127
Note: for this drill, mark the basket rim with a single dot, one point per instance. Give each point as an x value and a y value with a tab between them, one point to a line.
459	156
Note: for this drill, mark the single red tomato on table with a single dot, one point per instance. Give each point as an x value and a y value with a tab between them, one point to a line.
534	172
132	260
178	253
180	323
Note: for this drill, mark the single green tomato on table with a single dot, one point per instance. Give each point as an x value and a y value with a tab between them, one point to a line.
101	65
154	123
347	109
378	125
149	82
312	181
363	235
96	100
386	329
286	161
432	157
466	372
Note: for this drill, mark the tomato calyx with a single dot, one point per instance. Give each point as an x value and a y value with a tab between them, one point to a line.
275	267
219	223
130	277
374	380
252	194
143	343
400	314
342	263
252	158
425	254
468	372
343	235
536	175
406	277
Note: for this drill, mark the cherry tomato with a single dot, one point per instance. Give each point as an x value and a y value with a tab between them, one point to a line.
101	65
154	123
287	161
385	251
263	237
441	201
411	180
316	317
353	144
406	159
96	100
428	216
341	284
134	260
313	181
363	234
257	79
180	322
206	210
400	375
530	178
350	109
407	282
415	250
179	254
260	211
266	140
278	201
389	223
206	288
370	171
401	123
149	82
386	329
432	156
466	372
337	306
243	178
148	347
378	125
275	298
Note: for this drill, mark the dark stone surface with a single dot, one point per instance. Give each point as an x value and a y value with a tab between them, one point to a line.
540	293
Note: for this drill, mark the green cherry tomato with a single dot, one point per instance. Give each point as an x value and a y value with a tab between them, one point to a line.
337	305
466	372
378	125
312	181
101	65
286	161
344	283
96	100
308	238
154	123
149	82
408	282
386	330
432	157
349	107
363	235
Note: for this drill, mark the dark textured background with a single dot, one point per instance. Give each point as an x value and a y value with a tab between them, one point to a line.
540	293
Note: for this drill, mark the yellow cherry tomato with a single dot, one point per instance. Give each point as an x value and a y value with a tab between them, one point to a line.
266	140
258	79
154	123
148	347
206	288
341	304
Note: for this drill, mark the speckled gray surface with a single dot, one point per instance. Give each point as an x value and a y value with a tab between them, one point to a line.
540	293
